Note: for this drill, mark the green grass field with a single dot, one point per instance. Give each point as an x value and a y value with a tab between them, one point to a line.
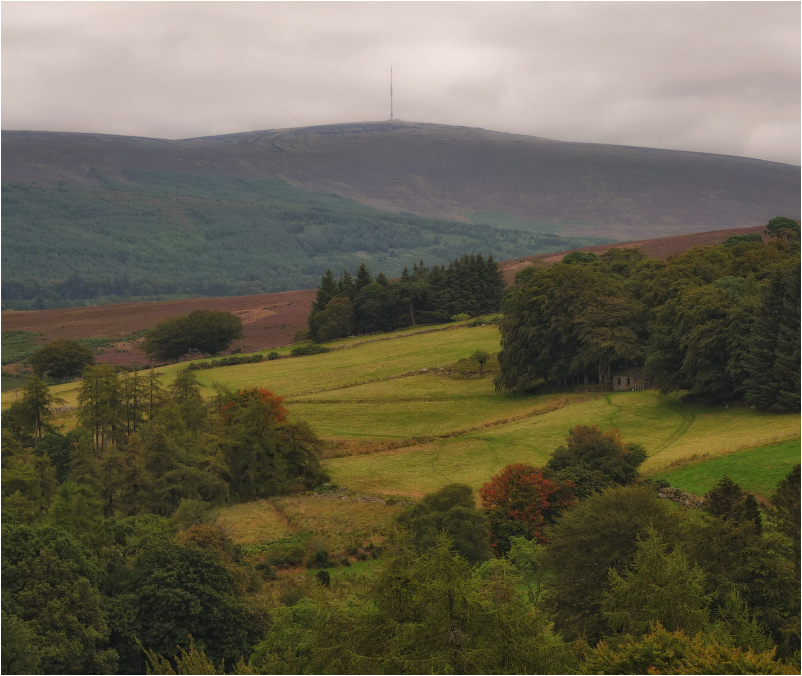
756	469
398	424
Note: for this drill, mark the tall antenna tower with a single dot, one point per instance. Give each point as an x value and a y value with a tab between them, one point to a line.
391	93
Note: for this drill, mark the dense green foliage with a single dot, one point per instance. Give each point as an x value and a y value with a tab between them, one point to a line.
420	613
452	511
205	331
109	566
18	345
785	510
180	590
721	322
664	652
163	234
141	449
593	459
61	359
599	534
470	285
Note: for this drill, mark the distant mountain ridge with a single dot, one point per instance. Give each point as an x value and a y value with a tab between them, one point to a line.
439	171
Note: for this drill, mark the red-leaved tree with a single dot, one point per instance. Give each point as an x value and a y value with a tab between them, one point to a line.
265	399
520	501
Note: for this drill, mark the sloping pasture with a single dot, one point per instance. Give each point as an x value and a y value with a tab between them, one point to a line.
397	423
671	434
402	426
757	469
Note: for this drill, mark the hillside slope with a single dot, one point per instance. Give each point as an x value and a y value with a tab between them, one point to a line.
269	320
443	171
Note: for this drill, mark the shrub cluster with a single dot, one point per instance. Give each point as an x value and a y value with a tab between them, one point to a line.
233	360
306	350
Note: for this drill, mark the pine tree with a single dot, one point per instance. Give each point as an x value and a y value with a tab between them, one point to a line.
325	292
773	363
786	367
346	286
363	278
660	586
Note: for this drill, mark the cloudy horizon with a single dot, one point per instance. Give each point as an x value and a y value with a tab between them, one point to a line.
716	77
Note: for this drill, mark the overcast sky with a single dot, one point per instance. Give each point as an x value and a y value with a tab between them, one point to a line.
720	77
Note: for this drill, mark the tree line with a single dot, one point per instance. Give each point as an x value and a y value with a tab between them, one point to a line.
721	322
470	285
143	448
103	546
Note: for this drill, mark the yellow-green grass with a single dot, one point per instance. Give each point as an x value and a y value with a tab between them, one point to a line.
368	360
335	523
670	432
355	365
420	405
444	429
756	469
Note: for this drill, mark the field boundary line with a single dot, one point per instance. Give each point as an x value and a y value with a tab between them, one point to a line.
383	446
698	458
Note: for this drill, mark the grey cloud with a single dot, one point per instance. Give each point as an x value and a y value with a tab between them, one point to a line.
716	77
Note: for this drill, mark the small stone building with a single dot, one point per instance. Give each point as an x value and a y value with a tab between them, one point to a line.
630	379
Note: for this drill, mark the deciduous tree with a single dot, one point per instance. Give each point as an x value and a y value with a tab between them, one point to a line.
61	359
206	331
594	459
521	501
182	592
452	511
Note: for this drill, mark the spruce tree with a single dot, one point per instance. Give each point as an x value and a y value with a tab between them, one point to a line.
363	278
346	286
773	363
325	292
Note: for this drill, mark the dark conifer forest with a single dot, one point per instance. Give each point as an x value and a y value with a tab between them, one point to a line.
470	286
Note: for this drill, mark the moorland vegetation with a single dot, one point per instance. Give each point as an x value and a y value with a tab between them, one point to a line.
435	170
539	543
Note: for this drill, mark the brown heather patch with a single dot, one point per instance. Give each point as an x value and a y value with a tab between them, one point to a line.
268	320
